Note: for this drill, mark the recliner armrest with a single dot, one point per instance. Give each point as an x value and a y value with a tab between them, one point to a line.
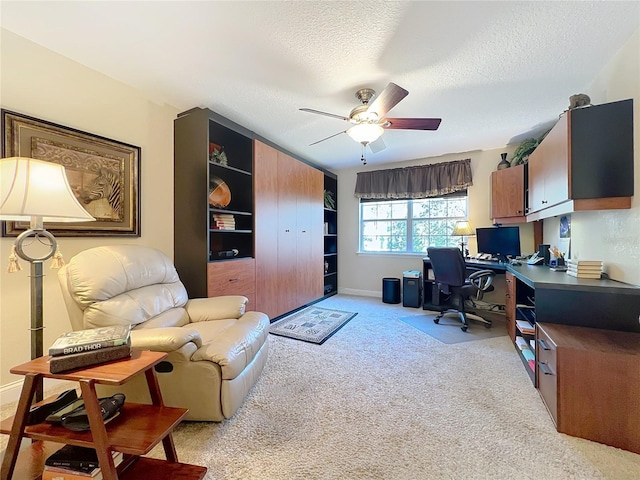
216	308
167	339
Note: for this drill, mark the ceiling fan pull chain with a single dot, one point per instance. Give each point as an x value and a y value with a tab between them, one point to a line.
362	158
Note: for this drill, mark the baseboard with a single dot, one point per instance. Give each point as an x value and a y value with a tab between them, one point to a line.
360	293
10	393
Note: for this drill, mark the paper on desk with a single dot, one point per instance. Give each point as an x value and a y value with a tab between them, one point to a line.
564	245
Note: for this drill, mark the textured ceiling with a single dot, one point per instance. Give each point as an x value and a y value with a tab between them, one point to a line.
493	71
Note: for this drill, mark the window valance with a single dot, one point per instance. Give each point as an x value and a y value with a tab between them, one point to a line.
421	181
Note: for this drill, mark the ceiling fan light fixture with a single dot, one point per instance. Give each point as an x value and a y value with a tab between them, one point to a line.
365	132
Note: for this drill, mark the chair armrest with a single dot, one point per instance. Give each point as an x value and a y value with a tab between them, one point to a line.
482	279
216	308
165	339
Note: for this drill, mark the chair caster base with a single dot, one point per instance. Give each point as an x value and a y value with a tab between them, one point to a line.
464	328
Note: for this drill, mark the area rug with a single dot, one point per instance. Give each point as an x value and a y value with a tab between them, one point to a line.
312	324
448	330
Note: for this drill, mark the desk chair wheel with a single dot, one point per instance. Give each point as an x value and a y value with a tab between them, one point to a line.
437	319
464	328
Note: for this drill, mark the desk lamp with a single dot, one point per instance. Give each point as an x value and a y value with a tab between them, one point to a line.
463	229
36	191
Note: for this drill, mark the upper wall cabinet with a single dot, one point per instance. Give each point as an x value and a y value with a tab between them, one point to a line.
584	163
508	196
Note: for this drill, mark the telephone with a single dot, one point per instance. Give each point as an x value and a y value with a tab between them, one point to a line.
535	259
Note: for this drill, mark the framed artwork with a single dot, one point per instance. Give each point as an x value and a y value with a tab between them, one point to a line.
103	174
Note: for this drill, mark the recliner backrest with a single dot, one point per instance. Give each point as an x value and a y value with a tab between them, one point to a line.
448	265
122	284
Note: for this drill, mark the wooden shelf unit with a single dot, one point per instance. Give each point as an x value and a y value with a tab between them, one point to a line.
135	431
196	172
331	237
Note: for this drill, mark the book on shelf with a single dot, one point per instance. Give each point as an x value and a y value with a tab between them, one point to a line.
528	354
74	457
525	327
521	343
90	339
72	361
52	472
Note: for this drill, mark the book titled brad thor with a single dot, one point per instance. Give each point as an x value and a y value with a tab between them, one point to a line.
90	339
62	363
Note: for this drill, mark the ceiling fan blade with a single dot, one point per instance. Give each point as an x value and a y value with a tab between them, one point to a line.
388	98
377	145
412	123
310	110
327	138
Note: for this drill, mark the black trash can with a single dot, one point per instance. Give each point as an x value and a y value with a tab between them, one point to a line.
391	290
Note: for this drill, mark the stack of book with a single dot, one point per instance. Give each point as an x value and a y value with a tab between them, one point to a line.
527	353
525	327
584	268
75	463
223	221
84	348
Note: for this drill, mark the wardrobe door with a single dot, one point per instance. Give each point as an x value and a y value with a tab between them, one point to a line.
310	245
266	228
287	238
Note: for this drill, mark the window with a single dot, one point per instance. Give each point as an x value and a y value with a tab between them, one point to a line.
410	226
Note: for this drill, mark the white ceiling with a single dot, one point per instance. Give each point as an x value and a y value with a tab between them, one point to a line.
493	71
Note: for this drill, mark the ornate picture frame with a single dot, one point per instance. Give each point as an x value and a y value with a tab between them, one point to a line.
103	174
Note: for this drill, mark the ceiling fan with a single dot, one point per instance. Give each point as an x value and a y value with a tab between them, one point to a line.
369	121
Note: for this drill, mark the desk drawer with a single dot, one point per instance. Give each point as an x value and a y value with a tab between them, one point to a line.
232	277
546	372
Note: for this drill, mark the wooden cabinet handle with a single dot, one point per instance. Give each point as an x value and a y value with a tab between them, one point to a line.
543	344
233	279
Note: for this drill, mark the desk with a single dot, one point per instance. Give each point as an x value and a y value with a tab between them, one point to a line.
588	378
561	298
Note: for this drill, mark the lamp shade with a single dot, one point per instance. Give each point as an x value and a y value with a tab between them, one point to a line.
462	228
35	188
365	132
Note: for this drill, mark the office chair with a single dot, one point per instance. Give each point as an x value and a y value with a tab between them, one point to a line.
456	285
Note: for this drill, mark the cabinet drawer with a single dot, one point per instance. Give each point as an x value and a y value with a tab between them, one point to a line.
546	372
234	277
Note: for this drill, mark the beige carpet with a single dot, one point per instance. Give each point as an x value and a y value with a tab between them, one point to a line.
381	400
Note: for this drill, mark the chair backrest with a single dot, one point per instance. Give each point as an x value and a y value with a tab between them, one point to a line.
448	265
122	284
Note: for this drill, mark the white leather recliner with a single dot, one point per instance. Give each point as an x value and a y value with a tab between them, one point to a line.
216	350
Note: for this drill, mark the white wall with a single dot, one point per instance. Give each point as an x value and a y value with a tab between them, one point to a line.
612	235
362	273
40	83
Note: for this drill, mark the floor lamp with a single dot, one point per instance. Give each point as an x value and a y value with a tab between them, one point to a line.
463	229
36	191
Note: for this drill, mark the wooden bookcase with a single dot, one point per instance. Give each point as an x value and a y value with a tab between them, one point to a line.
330	235
198	244
135	432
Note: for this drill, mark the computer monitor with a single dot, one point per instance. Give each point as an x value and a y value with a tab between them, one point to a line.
501	242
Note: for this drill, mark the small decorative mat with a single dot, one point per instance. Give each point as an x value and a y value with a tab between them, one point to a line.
312	324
